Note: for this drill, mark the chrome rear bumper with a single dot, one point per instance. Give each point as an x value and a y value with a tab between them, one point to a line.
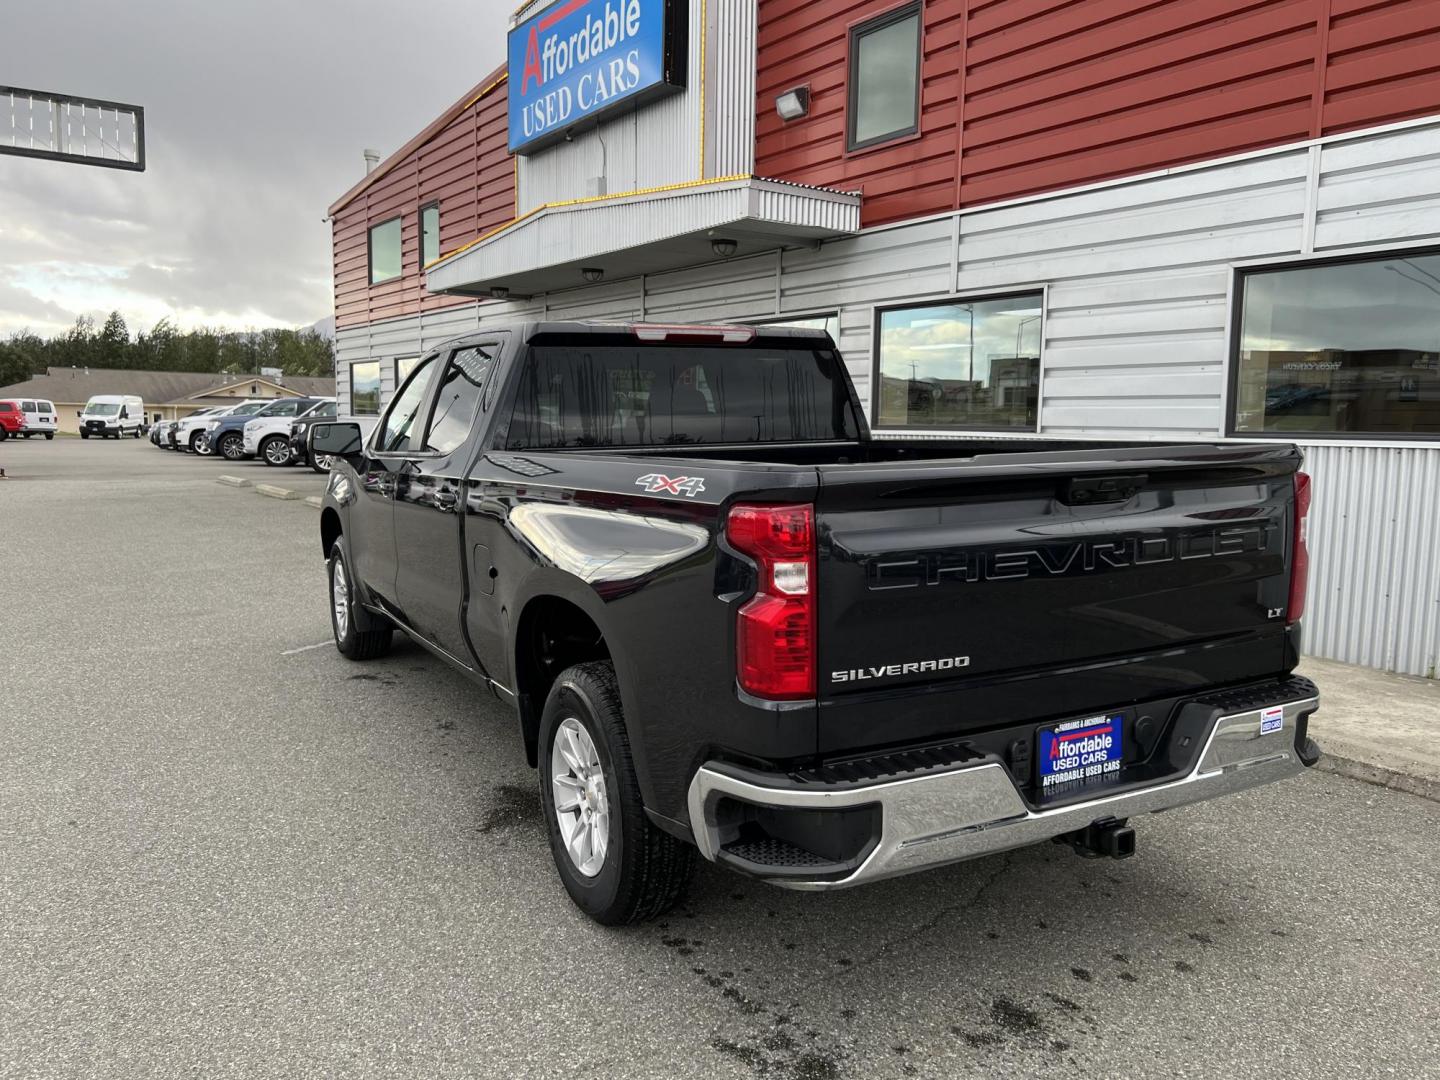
976	809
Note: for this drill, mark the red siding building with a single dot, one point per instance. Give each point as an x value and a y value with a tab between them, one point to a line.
1025	96
459	164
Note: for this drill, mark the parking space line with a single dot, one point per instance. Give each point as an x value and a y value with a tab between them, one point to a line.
306	648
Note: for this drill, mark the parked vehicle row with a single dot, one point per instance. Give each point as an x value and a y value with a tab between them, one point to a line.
264	429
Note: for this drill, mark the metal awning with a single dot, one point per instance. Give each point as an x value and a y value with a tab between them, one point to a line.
643	233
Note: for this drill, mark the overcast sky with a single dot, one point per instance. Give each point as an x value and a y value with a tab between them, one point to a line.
256	113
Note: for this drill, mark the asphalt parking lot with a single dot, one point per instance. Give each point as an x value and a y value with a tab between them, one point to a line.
226	853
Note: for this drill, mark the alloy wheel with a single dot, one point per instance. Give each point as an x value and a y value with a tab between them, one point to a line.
582	804
340	598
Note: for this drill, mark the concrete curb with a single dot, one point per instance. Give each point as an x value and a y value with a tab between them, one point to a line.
316	501
270	491
232	481
1380	776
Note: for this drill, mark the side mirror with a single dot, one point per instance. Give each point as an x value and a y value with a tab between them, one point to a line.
78	413
337	440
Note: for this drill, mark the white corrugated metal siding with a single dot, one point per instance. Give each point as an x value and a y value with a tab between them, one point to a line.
560	235
730	71
1375	557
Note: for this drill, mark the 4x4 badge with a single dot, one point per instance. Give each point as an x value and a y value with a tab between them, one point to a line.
655	484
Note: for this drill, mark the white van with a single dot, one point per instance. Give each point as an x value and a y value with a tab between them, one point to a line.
40	417
112	416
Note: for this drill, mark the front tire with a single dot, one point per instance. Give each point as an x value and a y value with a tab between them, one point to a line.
617	866
275	451
84	434
353	642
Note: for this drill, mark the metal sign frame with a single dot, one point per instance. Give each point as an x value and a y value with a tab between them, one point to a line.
55	101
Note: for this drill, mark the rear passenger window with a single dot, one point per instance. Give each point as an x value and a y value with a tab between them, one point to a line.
458	398
394	437
27	406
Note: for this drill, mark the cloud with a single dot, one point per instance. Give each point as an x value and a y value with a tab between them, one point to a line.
256	116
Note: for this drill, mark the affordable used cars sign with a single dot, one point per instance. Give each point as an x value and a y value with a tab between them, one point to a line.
579	59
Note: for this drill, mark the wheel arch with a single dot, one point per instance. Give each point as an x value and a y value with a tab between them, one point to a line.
553	632
330	530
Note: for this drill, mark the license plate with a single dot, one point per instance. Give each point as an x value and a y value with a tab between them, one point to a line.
1081	751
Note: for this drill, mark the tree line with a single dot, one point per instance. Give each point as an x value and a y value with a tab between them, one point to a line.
166	348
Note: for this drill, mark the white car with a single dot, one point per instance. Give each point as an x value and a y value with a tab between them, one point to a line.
190	432
268	437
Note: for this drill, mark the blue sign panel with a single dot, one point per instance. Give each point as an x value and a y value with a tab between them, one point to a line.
579	59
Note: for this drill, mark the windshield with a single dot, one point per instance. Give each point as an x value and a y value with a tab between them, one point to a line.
666	395
249	410
102	409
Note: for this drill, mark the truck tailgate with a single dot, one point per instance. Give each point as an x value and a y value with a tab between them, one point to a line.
962	595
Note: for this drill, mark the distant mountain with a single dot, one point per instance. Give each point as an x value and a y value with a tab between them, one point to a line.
325	327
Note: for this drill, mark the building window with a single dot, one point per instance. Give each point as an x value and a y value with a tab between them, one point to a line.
385	251
404	365
429	234
885	78
961	364
365	388
1348	348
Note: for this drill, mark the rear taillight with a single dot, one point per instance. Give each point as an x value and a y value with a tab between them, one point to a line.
775	631
1300	551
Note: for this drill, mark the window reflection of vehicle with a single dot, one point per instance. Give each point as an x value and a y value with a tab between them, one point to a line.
1288	398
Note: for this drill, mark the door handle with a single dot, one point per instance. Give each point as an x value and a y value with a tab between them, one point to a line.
445	500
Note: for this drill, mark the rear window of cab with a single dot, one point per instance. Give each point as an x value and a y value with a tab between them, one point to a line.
8	406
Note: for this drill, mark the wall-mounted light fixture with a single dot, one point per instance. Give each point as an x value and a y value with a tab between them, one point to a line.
499	292
723	247
592	274
793	104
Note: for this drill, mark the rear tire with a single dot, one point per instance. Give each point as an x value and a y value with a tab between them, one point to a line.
321	463
643	871
49	435
345	615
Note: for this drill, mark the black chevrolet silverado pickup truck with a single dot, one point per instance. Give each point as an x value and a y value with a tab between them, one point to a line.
729	619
